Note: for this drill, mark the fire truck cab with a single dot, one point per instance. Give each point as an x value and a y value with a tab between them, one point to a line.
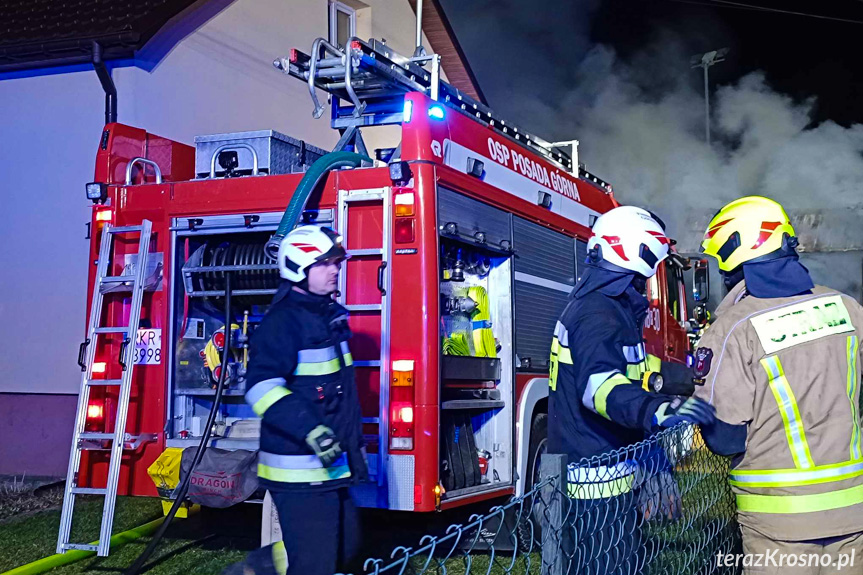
465	241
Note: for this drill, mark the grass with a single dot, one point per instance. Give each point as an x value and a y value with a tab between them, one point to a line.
189	547
30	515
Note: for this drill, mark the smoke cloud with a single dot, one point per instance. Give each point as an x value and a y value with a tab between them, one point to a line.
641	127
640	122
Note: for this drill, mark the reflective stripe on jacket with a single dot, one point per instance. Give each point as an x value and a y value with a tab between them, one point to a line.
788	369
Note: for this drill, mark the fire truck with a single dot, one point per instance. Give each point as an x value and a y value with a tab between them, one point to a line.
465	240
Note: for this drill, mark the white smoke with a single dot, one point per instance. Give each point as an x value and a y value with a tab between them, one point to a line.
641	127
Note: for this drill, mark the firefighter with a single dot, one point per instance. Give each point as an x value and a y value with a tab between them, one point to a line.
301	383
780	365
598	352
598	373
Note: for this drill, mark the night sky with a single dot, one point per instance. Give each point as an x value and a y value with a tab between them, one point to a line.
802	56
518	46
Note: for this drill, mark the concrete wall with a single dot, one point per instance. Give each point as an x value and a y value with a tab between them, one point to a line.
218	77
841	271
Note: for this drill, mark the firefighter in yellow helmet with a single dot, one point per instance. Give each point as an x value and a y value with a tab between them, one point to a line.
780	365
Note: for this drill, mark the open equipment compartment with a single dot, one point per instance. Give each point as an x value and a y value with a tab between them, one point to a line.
477	363
205	250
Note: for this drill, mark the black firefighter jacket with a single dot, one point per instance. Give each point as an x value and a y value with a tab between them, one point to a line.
596	401
300	376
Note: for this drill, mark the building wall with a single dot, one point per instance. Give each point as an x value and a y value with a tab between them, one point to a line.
217	78
37	433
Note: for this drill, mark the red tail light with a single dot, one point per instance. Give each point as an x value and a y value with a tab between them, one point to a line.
402	406
95	411
404	230
95	416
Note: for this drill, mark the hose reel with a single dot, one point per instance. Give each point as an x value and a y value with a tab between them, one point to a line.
252	273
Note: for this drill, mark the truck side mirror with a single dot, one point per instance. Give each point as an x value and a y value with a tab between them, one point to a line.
700	315
701	281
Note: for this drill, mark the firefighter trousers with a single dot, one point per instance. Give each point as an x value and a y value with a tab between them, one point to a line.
320	530
765	556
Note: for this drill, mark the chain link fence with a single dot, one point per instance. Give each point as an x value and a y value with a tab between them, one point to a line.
661	506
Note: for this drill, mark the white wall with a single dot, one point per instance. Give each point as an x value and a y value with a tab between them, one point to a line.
49	131
219	78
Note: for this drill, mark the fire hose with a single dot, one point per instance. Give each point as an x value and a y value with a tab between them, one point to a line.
53	561
310	181
180	492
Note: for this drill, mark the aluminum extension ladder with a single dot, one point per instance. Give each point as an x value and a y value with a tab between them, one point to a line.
82	440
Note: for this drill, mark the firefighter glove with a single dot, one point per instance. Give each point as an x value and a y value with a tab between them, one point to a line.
323	442
682	409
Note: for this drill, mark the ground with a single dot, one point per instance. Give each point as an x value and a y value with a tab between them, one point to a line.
213	539
30	515
29	520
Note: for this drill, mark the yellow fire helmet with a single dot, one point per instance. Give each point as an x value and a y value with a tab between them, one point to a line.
745	230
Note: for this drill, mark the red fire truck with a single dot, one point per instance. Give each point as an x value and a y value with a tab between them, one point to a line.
465	241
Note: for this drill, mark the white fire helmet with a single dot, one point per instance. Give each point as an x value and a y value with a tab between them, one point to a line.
307	245
630	238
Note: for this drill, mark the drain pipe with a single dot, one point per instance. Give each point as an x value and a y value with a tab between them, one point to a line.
107	84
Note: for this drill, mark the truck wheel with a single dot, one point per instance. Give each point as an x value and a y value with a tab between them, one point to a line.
530	538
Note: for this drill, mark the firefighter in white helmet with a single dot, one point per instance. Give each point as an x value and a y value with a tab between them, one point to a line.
301	383
598	360
780	365
599	371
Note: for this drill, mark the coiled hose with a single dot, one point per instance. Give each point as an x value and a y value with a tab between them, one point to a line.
483	338
456	344
310	181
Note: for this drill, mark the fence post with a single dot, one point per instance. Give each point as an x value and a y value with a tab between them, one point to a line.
553	517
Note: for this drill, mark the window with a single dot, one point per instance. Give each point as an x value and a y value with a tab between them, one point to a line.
653	291
580	258
343	23
674	278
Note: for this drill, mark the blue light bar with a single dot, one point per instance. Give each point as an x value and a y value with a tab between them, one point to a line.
436	112
409	108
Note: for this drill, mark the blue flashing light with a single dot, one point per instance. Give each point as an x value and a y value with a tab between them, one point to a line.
436	112
409	109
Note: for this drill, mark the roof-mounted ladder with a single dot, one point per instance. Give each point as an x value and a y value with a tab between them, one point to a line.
373	86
